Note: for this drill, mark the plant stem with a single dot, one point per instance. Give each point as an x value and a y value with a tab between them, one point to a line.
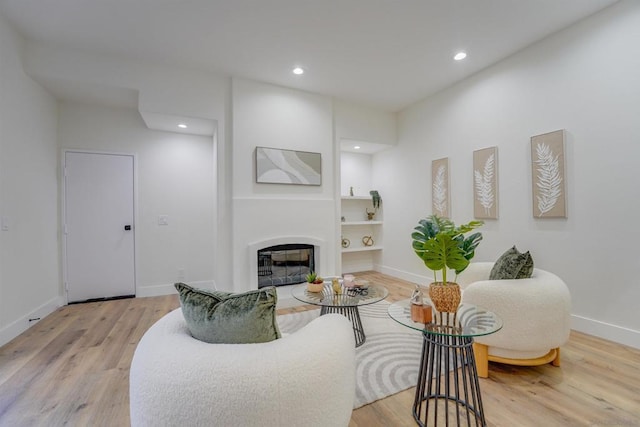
444	269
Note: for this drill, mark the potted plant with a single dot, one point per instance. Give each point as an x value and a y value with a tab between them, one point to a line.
375	201
442	245
315	283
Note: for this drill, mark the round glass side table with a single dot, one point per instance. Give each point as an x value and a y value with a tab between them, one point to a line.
346	303
448	389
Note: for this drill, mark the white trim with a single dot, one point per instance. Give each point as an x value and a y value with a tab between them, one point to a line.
404	275
319	253
351	266
284	199
355	197
347	223
606	331
169	288
361	249
20	325
618	334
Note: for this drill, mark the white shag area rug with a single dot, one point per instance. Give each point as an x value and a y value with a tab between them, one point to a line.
386	363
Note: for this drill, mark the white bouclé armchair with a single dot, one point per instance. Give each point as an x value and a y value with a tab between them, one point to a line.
536	313
306	378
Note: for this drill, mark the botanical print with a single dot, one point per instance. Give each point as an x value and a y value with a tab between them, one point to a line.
440	187
547	165
485	180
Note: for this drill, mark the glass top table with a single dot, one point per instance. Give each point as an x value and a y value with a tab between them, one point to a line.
469	321
448	389
350	297
346	303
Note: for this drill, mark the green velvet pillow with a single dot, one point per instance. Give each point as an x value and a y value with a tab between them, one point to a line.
223	317
512	265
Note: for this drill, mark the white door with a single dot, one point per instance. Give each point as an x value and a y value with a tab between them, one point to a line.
98	229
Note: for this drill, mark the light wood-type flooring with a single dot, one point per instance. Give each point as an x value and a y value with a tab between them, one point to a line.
72	368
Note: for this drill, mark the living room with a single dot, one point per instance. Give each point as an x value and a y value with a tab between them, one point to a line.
582	79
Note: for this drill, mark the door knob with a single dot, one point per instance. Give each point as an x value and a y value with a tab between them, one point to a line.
127	227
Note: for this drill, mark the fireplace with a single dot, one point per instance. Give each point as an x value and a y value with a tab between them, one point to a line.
285	264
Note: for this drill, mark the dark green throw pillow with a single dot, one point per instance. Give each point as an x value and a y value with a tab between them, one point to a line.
223	317
512	265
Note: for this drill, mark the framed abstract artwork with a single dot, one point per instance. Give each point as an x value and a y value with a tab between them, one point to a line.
440	201
485	183
548	178
276	166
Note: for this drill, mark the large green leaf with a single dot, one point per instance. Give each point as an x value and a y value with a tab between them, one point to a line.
441	245
468	246
465	228
443	252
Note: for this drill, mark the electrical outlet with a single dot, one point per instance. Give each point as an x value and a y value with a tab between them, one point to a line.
181	274
163	220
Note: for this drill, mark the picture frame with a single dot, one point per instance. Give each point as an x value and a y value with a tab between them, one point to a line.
548	175
280	166
440	200
485	183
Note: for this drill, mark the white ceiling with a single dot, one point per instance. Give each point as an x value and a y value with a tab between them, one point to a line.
385	54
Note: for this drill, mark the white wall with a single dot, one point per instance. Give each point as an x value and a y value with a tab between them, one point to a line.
175	178
584	80
271	116
160	92
356	173
356	122
29	274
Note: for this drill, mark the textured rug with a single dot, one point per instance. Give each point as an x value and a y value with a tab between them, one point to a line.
386	363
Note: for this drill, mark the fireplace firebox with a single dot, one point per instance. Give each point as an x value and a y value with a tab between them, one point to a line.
287	264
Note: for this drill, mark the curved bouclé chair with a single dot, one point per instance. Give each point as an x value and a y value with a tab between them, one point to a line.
306	378
535	312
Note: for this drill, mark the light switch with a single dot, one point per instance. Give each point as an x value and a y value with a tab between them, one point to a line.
4	223
163	220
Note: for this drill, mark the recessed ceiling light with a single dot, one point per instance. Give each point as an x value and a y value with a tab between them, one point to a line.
182	126
460	56
298	71
356	147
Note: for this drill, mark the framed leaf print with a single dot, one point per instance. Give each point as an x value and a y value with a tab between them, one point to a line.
485	183
440	202
548	179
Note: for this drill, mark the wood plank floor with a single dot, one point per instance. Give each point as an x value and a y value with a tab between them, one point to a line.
72	368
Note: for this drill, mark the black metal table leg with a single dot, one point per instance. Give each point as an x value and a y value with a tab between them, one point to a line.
351	313
448	385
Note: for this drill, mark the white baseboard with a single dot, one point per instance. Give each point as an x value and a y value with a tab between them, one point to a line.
169	288
404	275
606	331
354	267
285	300
593	327
20	325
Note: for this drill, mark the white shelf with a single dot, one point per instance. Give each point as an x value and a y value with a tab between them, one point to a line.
356	197
354	210
362	249
362	223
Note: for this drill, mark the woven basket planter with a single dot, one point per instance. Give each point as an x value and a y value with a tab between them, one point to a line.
315	287
445	298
